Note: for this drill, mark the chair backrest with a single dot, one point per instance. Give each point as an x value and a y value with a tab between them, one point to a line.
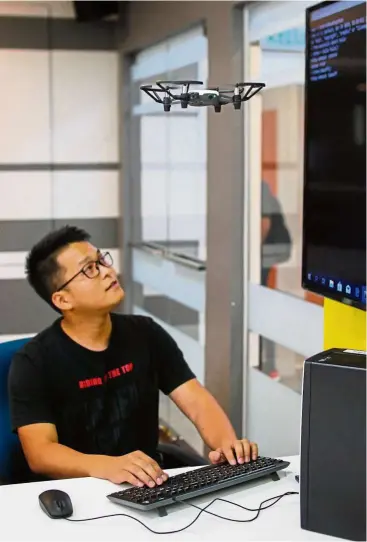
9	442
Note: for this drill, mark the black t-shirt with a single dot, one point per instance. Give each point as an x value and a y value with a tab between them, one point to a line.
100	402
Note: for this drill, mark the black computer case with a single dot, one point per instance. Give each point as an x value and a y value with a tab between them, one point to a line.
333	444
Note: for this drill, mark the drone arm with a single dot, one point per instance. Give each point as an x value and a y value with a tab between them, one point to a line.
167	91
152	94
253	89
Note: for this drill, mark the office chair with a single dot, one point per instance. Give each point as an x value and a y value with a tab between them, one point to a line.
172	456
13	468
12	463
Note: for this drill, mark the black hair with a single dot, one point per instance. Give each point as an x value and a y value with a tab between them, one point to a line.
42	268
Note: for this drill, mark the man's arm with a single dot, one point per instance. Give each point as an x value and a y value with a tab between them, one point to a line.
46	456
178	382
265	228
33	419
212	423
35	422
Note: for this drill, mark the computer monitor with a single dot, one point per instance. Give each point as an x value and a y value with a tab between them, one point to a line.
334	214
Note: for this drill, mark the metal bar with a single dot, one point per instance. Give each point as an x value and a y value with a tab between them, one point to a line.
182	259
186	261
151	248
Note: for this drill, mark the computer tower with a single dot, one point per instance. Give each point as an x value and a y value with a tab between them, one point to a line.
333	444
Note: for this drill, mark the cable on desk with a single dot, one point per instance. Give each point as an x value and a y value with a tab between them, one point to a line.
205	509
257	510
143	524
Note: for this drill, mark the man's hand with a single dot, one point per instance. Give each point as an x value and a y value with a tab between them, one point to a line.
135	468
238	451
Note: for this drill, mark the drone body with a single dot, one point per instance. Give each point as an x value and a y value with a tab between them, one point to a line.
214	97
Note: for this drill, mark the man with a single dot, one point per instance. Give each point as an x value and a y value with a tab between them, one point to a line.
275	249
275	238
84	392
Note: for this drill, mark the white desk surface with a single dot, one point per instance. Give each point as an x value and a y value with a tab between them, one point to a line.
22	518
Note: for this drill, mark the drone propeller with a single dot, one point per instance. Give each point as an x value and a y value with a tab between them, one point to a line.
223	90
167	100
183	82
150	88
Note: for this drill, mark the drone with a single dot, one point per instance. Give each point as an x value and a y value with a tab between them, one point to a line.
179	92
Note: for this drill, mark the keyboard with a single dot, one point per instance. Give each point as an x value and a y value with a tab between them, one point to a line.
196	483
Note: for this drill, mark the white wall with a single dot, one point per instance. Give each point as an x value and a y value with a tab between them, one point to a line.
59	155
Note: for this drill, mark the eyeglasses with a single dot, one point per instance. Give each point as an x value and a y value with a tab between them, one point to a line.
91	269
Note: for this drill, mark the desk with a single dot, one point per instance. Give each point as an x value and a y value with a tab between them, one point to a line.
22	518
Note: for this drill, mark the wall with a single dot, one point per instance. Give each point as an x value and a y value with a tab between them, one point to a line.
59	156
344	327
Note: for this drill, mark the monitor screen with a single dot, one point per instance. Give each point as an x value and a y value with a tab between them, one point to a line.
334	219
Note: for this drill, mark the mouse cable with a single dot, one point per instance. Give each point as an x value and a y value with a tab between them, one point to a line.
205	509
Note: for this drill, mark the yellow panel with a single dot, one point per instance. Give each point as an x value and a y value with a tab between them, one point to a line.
344	326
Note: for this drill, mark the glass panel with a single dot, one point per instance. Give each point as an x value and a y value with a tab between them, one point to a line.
279	60
169	197
276	361
168	310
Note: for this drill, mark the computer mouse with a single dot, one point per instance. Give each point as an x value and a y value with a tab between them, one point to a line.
55	503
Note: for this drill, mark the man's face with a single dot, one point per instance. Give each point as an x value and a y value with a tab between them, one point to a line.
95	289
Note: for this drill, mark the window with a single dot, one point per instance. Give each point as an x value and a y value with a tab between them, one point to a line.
171	203
279	59
279	363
